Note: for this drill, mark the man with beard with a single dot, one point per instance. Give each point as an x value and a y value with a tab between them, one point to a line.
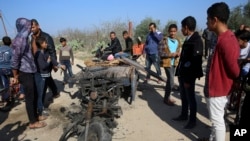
37	32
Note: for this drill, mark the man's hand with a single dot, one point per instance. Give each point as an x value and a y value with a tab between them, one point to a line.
72	63
55	68
14	80
154	30
178	54
15	76
63	67
173	55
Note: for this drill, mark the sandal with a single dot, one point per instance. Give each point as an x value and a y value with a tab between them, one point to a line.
37	125
41	118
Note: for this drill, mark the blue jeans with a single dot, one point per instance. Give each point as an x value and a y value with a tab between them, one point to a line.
68	68
170	81
121	54
188	100
155	60
21	91
4	74
41	91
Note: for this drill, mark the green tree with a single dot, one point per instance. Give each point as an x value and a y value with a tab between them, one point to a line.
246	12
142	28
236	18
239	15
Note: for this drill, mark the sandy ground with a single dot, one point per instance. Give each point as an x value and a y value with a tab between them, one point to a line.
147	119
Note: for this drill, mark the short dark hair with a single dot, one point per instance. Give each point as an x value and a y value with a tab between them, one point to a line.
34	21
124	32
62	39
172	26
243	35
39	41
112	32
190	22
152	24
6	40
219	10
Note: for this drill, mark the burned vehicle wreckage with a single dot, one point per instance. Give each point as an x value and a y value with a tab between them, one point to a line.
100	88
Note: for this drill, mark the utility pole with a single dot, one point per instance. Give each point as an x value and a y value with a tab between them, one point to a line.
3	24
130	29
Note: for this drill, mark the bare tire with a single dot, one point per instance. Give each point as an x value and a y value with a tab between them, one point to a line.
71	131
97	132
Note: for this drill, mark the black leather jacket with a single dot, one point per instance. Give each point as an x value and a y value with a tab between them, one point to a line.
51	46
115	46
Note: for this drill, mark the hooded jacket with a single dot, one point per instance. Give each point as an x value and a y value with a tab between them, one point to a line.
22	57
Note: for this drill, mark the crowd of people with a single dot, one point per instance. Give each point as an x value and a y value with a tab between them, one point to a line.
33	61
223	48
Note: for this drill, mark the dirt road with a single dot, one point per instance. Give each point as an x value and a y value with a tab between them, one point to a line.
147	119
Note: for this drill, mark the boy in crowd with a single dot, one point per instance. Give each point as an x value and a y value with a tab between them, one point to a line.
44	64
188	70
170	48
65	55
222	68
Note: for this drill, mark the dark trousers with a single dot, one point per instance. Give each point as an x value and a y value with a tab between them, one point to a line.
207	47
170	81
28	82
188	100
52	85
245	116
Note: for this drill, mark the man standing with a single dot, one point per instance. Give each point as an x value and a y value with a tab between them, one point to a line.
207	36
129	43
24	68
66	57
5	71
151	50
37	32
170	48
188	70
222	68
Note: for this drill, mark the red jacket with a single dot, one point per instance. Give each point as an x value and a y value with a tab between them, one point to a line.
224	65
